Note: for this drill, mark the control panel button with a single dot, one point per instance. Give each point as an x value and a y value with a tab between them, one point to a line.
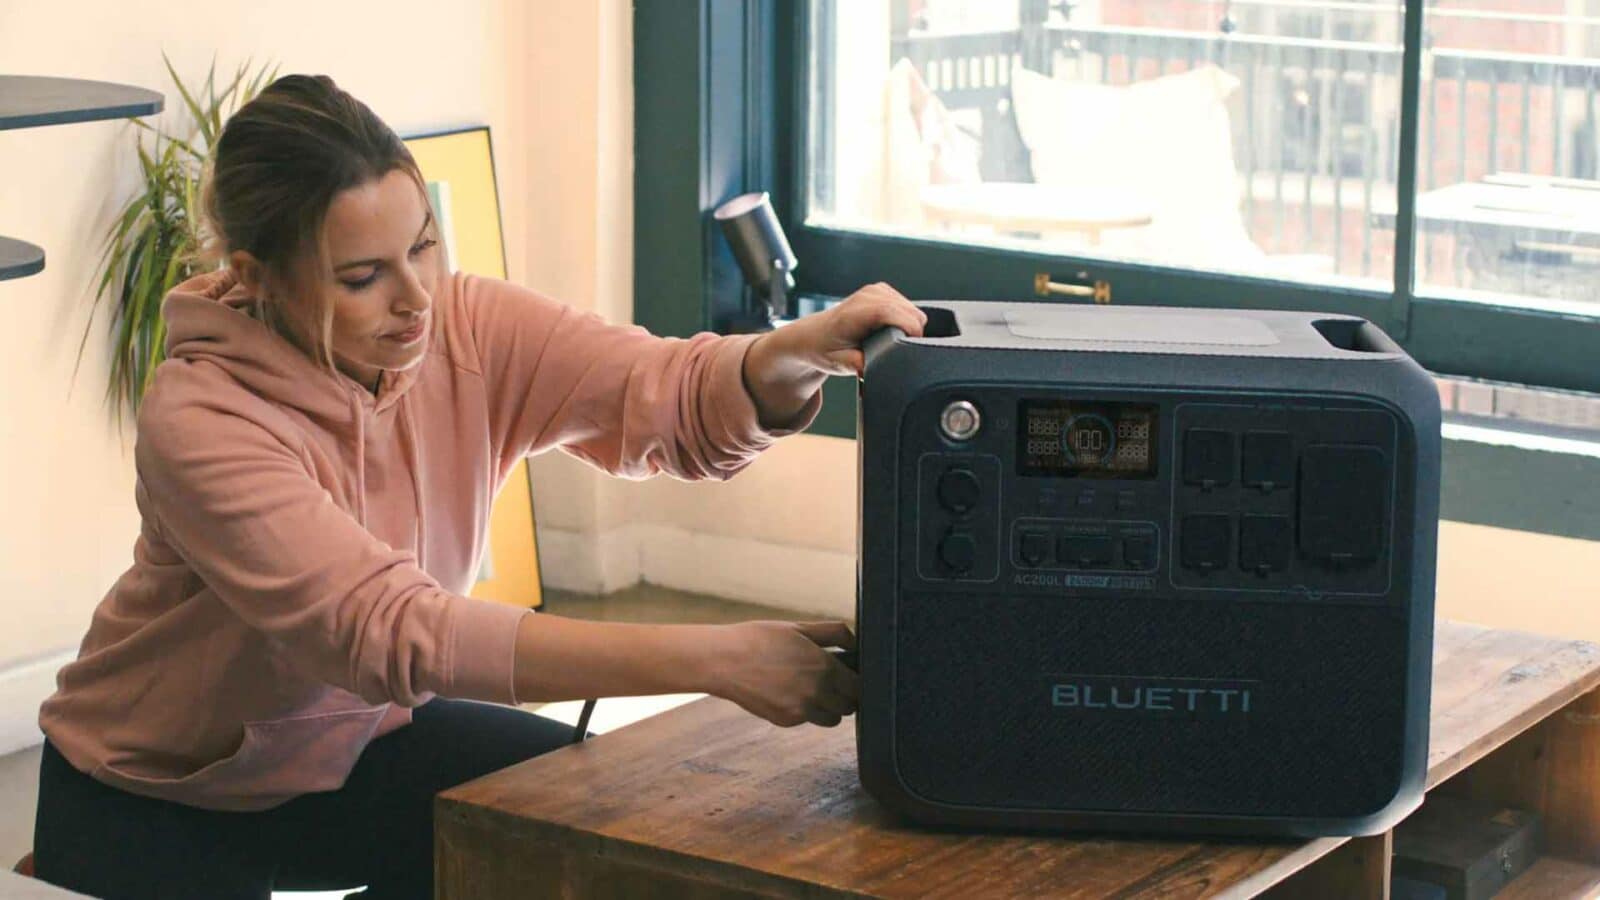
1264	543
1088	551
960	421
958	491
1208	457
1344	503
958	550
1206	541
1267	460
1139	552
1033	548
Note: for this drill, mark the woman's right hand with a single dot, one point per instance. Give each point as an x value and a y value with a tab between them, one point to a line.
780	671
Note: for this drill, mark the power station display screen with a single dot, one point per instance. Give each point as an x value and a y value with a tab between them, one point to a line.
1095	440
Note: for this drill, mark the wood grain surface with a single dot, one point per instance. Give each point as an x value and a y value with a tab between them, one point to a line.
707	801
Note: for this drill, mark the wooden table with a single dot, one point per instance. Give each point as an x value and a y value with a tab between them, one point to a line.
1035	208
1517	234
708	802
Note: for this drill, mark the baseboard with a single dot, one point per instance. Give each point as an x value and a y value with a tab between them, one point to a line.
800	579
589	563
23	686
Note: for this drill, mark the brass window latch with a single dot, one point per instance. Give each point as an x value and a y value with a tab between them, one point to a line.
1099	291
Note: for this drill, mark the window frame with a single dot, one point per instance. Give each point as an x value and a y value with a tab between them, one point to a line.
721	108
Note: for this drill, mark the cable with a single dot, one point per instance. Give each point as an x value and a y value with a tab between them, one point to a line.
581	730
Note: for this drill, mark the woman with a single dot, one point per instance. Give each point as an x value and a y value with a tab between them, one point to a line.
273	693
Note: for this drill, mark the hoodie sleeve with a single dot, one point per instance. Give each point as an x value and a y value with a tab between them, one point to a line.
615	395
244	510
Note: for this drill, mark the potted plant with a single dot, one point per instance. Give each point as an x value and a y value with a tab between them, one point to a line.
155	240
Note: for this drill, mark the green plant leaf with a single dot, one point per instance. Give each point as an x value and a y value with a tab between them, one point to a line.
183	144
262	78
152	241
112	257
227	95
193	106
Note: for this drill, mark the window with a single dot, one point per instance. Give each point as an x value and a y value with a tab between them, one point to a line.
1429	166
1239	153
1508	204
1256	139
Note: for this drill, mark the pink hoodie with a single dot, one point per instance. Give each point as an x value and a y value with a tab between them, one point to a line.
298	578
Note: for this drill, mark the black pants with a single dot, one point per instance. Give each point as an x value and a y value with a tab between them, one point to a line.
377	830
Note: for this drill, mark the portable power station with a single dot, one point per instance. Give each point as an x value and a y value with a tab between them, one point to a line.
1147	569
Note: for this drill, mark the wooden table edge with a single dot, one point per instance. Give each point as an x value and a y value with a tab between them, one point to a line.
743	877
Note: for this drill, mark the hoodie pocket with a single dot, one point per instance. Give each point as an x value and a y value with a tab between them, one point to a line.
276	760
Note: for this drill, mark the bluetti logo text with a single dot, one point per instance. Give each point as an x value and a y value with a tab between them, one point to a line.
1191	697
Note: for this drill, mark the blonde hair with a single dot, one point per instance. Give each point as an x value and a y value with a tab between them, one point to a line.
279	162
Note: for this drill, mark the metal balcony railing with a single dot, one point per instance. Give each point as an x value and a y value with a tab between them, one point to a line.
1315	122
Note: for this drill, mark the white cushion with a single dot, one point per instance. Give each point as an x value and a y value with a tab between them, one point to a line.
1167	139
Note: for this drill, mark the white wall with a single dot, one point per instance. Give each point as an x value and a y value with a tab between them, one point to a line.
580	241
66	479
768	535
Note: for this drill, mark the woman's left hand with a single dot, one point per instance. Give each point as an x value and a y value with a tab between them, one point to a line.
785	367
830	341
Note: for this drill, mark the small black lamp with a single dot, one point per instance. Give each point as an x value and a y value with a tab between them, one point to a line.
759	245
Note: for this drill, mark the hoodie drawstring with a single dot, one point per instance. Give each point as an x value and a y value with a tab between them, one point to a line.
408	432
412	449
360	417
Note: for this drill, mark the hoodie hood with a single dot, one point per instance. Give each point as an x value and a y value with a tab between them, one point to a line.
208	320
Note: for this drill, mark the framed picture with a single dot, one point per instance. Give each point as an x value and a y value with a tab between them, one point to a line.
458	167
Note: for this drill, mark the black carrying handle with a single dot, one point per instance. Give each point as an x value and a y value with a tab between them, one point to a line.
880	340
1356	335
1373	339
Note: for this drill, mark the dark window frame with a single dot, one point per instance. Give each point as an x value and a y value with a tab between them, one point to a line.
721	107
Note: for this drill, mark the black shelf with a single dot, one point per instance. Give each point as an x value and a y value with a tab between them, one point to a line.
19	259
28	101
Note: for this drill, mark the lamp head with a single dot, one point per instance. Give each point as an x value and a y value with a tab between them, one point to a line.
759	245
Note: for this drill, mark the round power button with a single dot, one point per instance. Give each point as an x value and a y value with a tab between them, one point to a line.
959	421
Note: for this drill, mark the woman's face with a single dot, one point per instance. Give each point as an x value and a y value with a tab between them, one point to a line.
382	245
384	266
